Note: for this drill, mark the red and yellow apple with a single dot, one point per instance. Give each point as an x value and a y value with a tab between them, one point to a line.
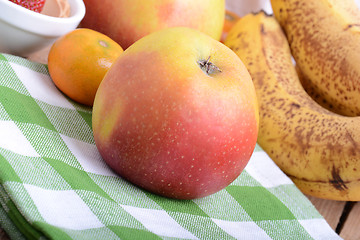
126	21
177	114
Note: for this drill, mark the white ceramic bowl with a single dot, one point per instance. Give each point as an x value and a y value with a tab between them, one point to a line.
23	31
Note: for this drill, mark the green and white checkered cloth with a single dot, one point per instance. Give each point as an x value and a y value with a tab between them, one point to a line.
54	184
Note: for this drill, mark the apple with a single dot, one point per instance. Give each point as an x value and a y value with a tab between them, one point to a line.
126	21
177	114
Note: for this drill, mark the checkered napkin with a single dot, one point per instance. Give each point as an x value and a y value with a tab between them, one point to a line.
54	184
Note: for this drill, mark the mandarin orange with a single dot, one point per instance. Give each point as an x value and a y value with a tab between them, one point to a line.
230	20
79	60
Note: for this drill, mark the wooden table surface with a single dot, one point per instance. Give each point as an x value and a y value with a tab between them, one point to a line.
343	217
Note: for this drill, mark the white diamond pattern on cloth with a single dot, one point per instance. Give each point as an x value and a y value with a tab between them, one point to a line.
260	171
41	87
88	156
163	225
242	230
312	227
13	140
64	209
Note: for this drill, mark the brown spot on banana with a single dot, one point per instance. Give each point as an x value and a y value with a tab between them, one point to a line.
349	26
337	182
315	94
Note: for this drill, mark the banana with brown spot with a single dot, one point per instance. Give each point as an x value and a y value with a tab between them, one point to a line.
314	93
318	149
324	38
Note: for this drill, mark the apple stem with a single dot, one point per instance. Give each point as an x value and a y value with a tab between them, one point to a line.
208	67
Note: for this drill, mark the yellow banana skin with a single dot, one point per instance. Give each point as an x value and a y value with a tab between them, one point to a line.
318	149
324	38
313	92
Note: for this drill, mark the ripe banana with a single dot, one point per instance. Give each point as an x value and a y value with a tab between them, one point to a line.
318	149
324	38
313	92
